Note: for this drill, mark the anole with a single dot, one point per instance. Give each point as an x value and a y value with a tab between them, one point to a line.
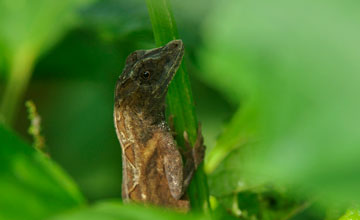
153	168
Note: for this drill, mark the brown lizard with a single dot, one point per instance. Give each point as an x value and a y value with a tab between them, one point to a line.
153	170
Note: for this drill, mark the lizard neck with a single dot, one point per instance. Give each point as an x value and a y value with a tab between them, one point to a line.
137	126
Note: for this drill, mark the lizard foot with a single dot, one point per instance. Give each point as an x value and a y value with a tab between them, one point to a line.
198	150
193	156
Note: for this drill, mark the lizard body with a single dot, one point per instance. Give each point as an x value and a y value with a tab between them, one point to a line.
153	170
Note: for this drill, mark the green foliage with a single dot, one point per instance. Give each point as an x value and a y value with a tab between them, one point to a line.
31	185
245	197
111	210
351	214
296	64
241	130
27	29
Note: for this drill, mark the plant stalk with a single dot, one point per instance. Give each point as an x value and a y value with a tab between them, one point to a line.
180	104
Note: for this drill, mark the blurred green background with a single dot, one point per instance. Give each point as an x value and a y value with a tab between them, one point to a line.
73	85
275	85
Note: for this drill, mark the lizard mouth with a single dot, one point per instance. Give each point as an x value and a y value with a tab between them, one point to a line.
173	52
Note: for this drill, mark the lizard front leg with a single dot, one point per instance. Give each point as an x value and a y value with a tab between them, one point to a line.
179	176
173	166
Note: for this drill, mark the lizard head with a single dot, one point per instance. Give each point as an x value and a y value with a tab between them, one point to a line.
147	74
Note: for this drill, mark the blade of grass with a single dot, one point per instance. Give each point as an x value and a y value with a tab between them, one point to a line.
180	102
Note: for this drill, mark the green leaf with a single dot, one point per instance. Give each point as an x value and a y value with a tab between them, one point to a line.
351	214
27	29
297	64
31	185
228	177
246	197
240	131
112	210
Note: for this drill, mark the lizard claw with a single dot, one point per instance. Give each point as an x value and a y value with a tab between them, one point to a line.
172	126
198	150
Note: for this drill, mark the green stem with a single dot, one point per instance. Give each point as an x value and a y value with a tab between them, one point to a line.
20	73
180	102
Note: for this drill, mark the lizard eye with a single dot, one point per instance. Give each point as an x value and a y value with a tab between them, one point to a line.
146	74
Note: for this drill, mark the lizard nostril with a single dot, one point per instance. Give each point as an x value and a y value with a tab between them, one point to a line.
174	45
